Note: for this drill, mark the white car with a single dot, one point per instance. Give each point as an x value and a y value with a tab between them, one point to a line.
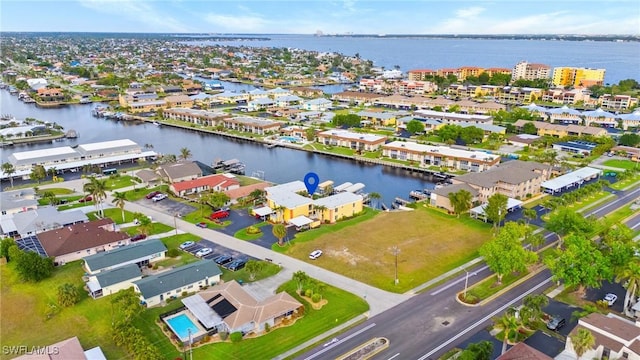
203	252
610	299
159	197
186	244
315	254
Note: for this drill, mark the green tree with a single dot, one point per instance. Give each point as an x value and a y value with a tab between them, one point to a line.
415	126
630	276
471	134
31	266
375	196
301	278
582	341
509	325
564	221
529	215
629	139
218	199
311	134
5	245
67	295
534	303
185	154
98	190
477	351
279	231
461	201
529	128
119	199
8	169
145	225
348	120
253	267
496	209
504	253
449	132
51	197
580	264
38	173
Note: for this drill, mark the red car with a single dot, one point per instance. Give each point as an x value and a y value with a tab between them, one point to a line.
87	199
220	214
152	194
138	237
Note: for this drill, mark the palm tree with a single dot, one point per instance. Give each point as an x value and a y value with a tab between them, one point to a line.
185	153
279	231
8	169
51	197
631	274
461	201
582	341
119	199
375	196
535	304
52	172
509	325
98	189
300	277
529	215
279	212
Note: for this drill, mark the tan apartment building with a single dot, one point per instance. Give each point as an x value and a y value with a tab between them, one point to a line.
420	74
454	118
560	131
562	96
444	156
198	117
617	102
179	101
352	140
252	125
354	97
529	71
512	94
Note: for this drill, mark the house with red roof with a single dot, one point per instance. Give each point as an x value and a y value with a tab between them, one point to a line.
215	182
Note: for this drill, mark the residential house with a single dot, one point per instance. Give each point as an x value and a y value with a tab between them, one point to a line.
616	338
75	242
378	118
63	350
142	102
295	130
191	87
560	131
180	171
230	308
12	202
522	351
170	89
156	289
228	97
352	140
29	223
214	182
630	120
522	140
53	94
109	282
454	118
354	97
140	254
179	101
430	125
576	147
515	179
439	197
601	118
632	153
336	207
260	104
277	92
306	91
443	156
197	117
617	102
287	100
318	104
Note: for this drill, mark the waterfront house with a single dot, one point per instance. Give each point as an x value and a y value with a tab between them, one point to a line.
109	282
228	97
336	207
515	179
348	97
25	224
319	104
600	118
352	140
560	131
252	125
77	241
170	89
140	254
230	308
443	156
12	202
616	338
295	131
565	115
278	92
617	102
378	118
179	171
287	100
197	117
260	104
306	91
214	182
156	289
440	197
454	118
179	101
53	94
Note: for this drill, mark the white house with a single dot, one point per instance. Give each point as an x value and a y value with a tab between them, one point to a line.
616	338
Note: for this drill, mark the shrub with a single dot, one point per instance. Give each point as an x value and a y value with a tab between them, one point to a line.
315	298
184	293
173	252
253	230
155	266
223	335
308	293
267	327
236	337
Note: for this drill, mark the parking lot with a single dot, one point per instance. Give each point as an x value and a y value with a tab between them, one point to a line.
168	206
217	251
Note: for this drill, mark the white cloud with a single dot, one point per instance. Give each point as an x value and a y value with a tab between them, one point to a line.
242	23
137	11
470	12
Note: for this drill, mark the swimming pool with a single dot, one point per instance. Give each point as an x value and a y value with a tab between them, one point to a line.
291	139
181	325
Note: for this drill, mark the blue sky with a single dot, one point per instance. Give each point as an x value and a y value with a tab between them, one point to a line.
328	16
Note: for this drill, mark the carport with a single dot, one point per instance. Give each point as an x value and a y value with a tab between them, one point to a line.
301	222
573	178
478	211
263	212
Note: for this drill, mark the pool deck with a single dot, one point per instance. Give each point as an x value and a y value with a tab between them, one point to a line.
201	331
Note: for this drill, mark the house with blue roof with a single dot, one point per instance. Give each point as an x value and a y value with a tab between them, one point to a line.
565	115
111	281
630	120
140	254
320	104
600	117
260	104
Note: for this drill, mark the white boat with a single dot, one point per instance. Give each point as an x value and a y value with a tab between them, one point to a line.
156	123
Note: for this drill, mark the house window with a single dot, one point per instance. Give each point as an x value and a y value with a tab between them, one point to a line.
625	355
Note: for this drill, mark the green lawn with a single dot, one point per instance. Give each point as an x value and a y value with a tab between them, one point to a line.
115	214
243	235
141	192
156	228
115	182
490	286
268	269
623	184
621	164
55	191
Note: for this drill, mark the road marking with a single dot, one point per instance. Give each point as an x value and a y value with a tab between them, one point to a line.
451	284
500	309
615	202
322	351
394	356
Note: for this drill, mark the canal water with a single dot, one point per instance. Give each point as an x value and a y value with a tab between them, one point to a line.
277	164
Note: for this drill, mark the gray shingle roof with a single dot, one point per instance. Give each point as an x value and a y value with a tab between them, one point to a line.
184	275
446	190
511	172
17	199
124	254
111	277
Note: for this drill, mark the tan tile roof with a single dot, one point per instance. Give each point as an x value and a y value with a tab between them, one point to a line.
246	190
80	237
510	172
181	169
613	326
601	340
63	350
522	351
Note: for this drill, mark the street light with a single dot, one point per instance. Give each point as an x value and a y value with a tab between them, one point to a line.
466	283
175	222
395	250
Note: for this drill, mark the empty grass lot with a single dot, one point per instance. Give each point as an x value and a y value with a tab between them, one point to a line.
620	164
430	244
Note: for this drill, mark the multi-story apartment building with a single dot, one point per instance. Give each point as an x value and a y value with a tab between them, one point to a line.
617	102
415	87
198	117
601	118
454	118
352	140
562	96
528	71
420	74
577	77
428	155
560	131
512	94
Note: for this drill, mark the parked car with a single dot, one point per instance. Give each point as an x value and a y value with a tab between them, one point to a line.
152	194
556	323
186	244
203	252
315	254
86	199
138	237
236	264
220	214
223	259
203	225
159	197
610	299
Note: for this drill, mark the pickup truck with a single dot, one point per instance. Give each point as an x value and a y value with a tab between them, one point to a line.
220	214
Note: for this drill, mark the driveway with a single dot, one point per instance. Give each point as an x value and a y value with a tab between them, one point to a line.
608	287
556	308
167	206
545	343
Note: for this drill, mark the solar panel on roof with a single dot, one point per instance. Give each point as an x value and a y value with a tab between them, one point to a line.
224	308
214	298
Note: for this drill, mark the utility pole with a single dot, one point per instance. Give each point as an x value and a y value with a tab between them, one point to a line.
466	283
395	250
